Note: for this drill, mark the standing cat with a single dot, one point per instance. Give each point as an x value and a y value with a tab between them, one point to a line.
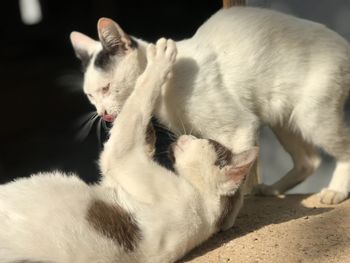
243	68
139	212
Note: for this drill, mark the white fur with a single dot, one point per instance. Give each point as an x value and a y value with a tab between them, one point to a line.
246	67
44	218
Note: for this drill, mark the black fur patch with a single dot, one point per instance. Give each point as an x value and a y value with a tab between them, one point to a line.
103	59
171	154
224	155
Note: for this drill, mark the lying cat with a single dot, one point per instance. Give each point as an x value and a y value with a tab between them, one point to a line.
243	68
139	212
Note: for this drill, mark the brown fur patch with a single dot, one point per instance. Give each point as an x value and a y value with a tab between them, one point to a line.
229	203
224	155
115	223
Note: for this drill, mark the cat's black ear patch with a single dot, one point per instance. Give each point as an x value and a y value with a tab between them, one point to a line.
103	60
114	222
223	154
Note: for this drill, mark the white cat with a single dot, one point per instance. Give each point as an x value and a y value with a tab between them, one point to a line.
243	68
139	212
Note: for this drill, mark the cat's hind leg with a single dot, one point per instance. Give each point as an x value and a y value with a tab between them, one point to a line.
336	141
326	128
305	161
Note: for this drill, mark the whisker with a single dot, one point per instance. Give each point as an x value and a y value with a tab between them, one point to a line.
191	130
98	133
164	130
160	126
200	133
86	128
182	124
172	136
85	118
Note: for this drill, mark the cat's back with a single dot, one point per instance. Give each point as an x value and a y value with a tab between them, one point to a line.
248	20
248	30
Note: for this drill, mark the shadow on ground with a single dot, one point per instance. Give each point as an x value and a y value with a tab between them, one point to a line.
257	213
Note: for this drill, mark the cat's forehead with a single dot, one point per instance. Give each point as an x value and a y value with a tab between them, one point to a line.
99	60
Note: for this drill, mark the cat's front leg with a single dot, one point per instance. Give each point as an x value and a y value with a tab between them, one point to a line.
160	59
129	131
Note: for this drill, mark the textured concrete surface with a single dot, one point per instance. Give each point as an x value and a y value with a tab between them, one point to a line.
296	228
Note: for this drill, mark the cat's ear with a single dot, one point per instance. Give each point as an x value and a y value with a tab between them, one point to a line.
83	45
112	37
235	173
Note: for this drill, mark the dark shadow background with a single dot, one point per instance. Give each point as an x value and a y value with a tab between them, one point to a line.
40	98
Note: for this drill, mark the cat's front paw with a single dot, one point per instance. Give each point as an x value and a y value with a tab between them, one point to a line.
332	197
161	57
265	190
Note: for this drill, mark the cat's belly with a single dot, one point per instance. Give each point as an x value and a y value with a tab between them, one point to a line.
44	218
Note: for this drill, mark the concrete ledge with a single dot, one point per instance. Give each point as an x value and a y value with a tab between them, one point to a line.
296	228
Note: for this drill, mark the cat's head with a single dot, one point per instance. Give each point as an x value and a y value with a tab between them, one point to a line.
111	66
212	168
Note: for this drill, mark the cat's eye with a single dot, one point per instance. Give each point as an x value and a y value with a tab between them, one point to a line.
105	89
89	95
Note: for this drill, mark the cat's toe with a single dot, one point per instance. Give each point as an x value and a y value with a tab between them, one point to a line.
151	52
171	50
161	46
331	197
266	190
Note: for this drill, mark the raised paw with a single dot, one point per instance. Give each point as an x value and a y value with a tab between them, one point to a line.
332	197
161	56
266	190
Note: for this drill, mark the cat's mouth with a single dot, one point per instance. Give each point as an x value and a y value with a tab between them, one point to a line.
108	117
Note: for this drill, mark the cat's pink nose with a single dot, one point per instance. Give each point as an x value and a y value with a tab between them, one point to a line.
184	139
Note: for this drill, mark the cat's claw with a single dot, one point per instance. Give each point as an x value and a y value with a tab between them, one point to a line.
266	190
331	197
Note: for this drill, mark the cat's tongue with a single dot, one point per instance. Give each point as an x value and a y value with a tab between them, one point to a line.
108	118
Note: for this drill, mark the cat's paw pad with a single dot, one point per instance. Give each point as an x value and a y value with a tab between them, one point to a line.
266	190
163	54
331	197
